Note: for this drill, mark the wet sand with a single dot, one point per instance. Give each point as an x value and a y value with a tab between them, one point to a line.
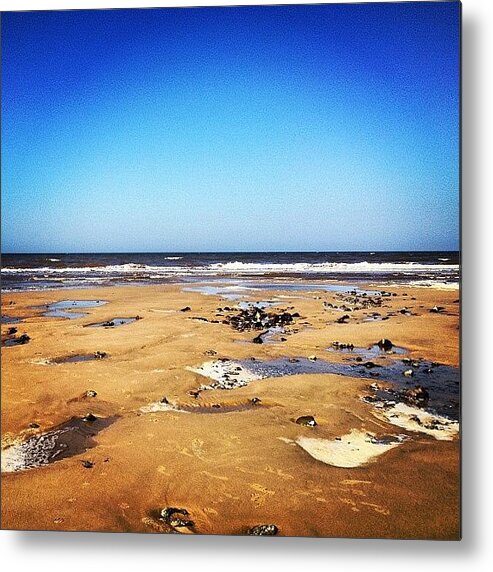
245	465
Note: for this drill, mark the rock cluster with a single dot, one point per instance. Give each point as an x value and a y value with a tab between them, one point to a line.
168	516
256	318
263	530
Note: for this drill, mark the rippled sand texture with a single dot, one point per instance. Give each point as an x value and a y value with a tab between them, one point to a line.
144	439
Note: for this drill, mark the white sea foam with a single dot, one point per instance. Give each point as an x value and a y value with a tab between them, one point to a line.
406	268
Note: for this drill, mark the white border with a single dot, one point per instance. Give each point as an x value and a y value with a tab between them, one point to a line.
74	552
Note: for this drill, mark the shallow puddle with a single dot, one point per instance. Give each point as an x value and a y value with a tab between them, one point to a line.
235	291
10	320
76	358
113	323
374	351
273	335
441	381
67	440
64	308
226	292
262	304
14	341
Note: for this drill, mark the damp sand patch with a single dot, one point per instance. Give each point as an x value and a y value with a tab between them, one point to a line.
67	440
72	358
355	449
218	408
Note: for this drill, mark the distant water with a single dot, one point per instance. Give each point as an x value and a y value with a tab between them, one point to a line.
49	271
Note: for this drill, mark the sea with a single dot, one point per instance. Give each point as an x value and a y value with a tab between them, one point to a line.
21	272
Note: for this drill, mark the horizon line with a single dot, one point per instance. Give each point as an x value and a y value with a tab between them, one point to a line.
227	252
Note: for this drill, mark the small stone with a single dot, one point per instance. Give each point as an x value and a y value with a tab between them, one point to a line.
306	420
168	515
385	344
87	464
312	358
255	400
437	309
91	393
263	530
370	365
186	309
408	373
89	418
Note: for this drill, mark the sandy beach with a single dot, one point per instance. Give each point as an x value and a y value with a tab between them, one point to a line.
232	458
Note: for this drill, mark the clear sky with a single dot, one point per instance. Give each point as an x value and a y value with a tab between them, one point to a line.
263	128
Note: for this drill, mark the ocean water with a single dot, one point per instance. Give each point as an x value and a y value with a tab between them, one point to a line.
53	271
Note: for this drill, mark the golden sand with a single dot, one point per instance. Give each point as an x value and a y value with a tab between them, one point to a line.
232	469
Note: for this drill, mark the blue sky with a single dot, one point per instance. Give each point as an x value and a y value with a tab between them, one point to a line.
263	128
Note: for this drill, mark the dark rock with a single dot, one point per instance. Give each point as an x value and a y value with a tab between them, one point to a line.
165	401
418	395
306	420
23	339
437	309
258	339
210	353
343	319
186	309
168	515
371	365
11	331
385	344
91	393
263	530
100	355
89	418
255	400
87	464
34	425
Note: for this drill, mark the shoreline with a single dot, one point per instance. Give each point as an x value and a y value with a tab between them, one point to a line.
231	469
